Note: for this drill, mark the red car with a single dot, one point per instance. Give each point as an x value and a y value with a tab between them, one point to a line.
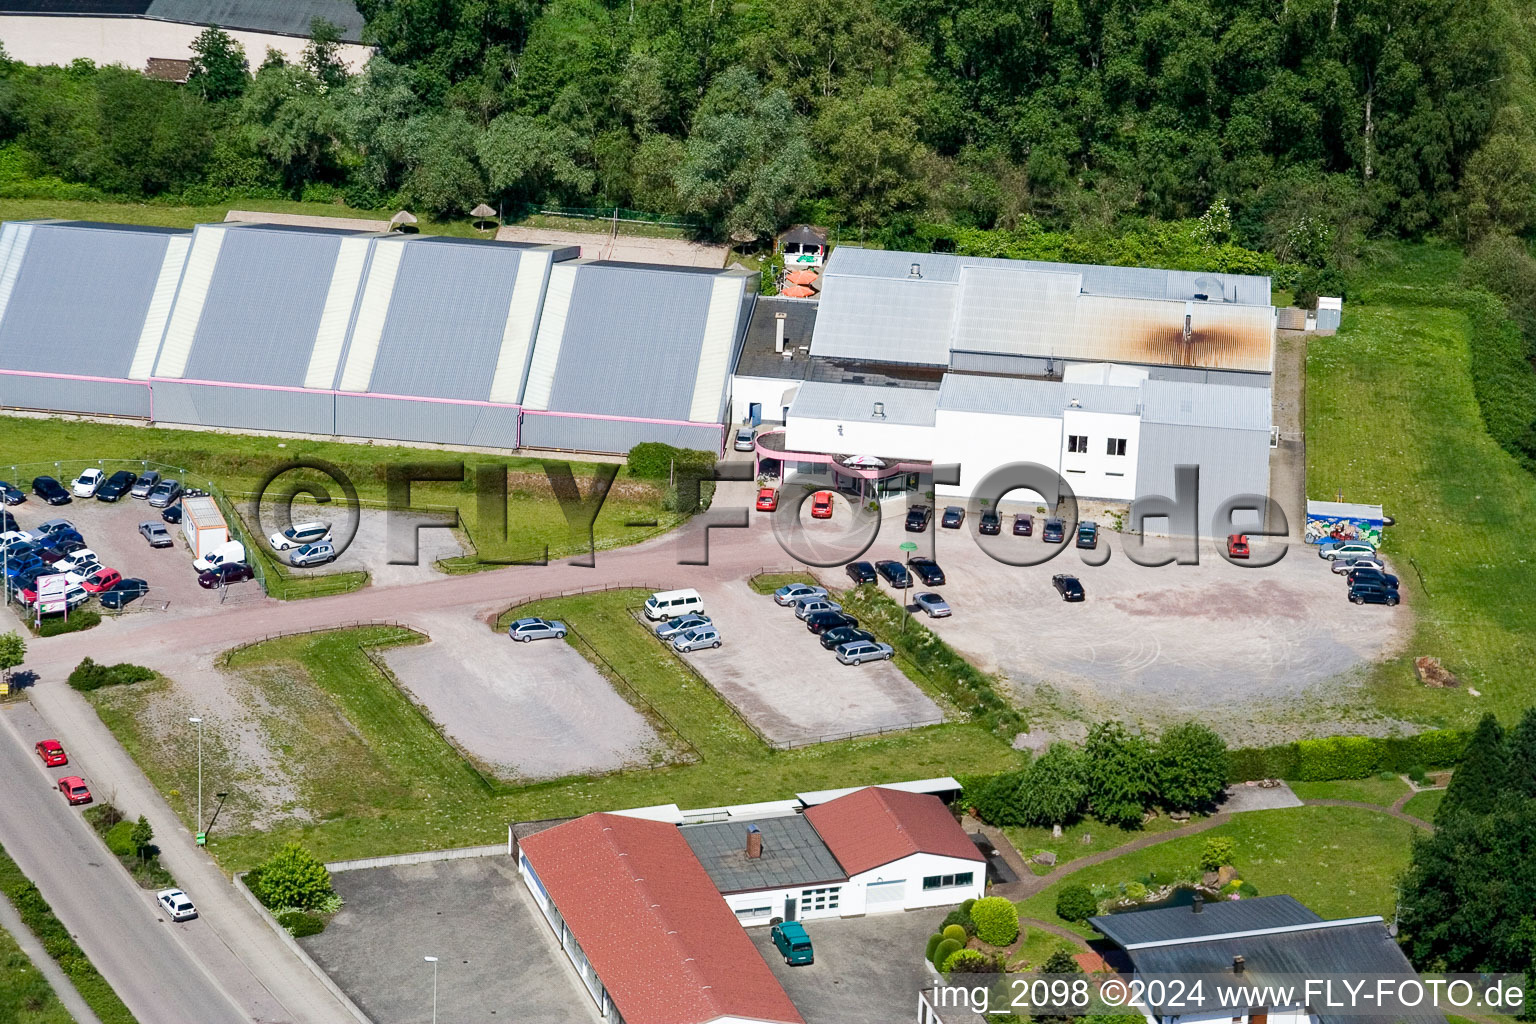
821	505
101	581
767	499
52	753
1237	546
73	788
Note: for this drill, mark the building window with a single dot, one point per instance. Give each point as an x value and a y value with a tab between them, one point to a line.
1116	446
751	913
1114	474
819	899
1077	442
947	881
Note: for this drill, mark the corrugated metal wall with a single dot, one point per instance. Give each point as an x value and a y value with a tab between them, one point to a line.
54	394
427	422
1231	462
592	435
303	412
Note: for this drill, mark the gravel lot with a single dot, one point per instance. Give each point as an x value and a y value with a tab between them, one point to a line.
497	959
535	710
369	550
775	672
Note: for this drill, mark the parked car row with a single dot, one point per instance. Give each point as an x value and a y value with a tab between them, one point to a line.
900	575
1365	573
837	630
56	550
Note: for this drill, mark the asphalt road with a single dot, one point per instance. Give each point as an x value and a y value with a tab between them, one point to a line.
140	952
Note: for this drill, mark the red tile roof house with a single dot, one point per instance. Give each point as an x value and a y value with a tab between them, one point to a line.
657	935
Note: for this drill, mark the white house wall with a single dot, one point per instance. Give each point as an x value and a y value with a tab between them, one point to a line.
774	900
767	391
1094	473
979	442
911	871
859	437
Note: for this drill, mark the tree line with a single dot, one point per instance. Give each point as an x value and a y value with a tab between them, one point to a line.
1315	120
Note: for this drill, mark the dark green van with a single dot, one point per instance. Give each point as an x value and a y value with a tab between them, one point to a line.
793	944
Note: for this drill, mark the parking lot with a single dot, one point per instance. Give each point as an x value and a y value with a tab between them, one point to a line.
867	969
369	550
1215	639
535	710
776	673
497	959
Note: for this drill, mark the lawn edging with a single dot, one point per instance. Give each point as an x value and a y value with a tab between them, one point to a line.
425	857
38	916
293	946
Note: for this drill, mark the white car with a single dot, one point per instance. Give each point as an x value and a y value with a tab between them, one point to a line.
860	651
300	534
696	638
88	483
792	592
933	604
176	903
83	562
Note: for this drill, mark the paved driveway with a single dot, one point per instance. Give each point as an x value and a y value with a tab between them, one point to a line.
497	959
776	673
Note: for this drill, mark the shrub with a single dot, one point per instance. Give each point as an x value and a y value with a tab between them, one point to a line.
968	961
961	917
89	675
1191	766
1347	757
652	460
956	932
293	877
966	905
997	920
300	923
1218	850
1076	903
119	839
933	944
943	950
1135	892
74	622
1062	961
1247	890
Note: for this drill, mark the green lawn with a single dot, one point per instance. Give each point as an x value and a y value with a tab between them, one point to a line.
377	778
1070	847
768	582
1339	861
1371	791
25	996
1465	510
1424	805
237	463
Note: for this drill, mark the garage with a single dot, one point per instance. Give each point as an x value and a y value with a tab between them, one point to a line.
884	897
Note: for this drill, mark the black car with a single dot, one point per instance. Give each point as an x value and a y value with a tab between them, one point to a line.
1023	525
1364	574
172	514
820	622
117	485
990	524
124	593
918	517
8	522
1372	593
1069	587
927	570
50	490
1054	531
1088	534
224	574
861	573
65	542
954	515
832	639
11	494
894	572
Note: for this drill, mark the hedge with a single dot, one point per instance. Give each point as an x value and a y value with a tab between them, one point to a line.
1347	757
652	460
90	675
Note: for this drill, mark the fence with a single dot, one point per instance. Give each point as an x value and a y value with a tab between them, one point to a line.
611	213
224	658
690	755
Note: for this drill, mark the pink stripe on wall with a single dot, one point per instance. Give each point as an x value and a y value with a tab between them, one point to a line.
330	391
87	377
620	419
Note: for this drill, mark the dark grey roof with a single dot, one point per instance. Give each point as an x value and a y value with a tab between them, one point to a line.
793	854
804	234
284	17
1129	929
74	6
758	358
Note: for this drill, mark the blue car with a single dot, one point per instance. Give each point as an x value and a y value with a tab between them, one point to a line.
18	566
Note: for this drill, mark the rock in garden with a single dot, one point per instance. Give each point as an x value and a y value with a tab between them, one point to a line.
1225	874
1046	857
1432	673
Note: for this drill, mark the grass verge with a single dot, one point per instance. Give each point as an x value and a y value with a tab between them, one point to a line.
38	916
1071	845
112	828
25	995
1383	791
1424	805
768	582
1339	861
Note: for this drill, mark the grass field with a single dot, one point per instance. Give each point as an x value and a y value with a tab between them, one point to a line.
1424	805
1371	791
372	777
1030	841
1339	861
25	996
1465	509
237	463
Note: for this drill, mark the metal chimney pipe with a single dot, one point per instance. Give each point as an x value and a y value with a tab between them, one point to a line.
778	331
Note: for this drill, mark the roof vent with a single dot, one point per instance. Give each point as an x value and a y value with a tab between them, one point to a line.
1202	296
1075	404
916	271
754	842
879	412
1237	965
1198	905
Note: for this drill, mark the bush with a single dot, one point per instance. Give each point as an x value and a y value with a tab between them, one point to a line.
968	961
1191	766
652	460
74	622
1218	850
1076	903
292	878
943	950
89	675
1347	757
300	923
956	932
119	839
933	944
1247	890
960	916
966	905
1135	891
997	920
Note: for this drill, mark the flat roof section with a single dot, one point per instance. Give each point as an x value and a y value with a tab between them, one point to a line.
758	357
793	854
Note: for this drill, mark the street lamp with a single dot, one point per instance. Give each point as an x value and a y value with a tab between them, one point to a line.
433	961
202	837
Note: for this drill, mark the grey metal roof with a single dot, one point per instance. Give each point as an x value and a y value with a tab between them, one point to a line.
1217	917
263	308
1206	405
758	358
446	319
81	295
284	17
793	854
826	401
880	320
1006	310
1021	397
631	342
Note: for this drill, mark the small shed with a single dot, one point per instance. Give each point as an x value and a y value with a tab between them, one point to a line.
203	525
803	246
1342	520
1330	310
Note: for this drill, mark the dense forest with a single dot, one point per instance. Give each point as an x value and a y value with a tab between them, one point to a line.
1307	123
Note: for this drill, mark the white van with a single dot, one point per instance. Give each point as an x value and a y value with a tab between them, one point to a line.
229	551
667	603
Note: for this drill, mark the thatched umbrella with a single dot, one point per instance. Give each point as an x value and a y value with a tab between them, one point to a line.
483	213
400	220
